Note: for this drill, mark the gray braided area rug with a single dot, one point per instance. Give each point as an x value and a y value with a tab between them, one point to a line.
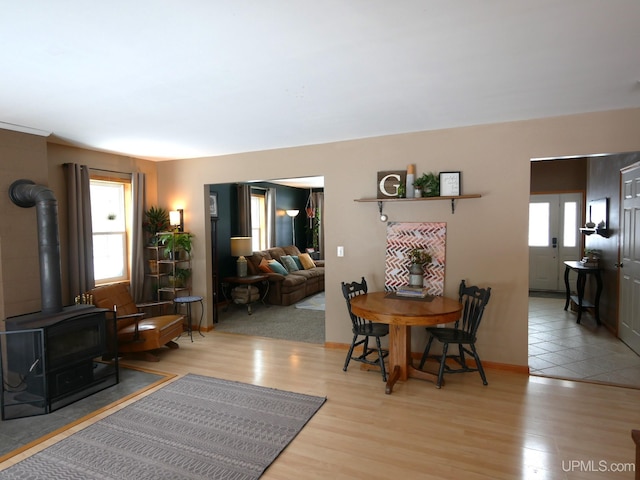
193	428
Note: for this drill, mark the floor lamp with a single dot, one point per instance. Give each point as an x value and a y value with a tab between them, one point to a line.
293	214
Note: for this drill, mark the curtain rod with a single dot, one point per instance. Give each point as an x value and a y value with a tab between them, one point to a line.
101	169
109	171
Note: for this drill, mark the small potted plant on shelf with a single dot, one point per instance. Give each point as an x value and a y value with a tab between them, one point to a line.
174	242
180	277
156	220
429	184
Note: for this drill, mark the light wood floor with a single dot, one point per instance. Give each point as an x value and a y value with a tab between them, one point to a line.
516	427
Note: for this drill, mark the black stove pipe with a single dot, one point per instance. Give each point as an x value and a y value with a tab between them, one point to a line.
26	194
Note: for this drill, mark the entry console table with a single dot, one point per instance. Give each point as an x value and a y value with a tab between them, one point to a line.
582	272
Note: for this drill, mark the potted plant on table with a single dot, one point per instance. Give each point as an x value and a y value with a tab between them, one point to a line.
418	258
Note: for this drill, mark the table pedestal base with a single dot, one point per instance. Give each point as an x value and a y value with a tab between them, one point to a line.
400	361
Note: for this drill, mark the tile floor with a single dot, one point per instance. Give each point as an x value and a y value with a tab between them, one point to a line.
559	347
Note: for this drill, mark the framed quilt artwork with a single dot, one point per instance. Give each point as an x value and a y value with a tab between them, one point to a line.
402	237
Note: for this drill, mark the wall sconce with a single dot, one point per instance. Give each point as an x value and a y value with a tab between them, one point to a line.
241	246
293	214
176	220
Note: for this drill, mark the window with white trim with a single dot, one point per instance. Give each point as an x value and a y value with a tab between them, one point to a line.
110	218
258	222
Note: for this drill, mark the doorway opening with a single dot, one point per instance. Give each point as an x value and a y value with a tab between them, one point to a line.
558	346
284	317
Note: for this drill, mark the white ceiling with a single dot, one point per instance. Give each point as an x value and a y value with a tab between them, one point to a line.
165	79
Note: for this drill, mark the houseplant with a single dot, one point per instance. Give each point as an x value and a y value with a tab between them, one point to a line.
429	183
156	220
418	258
179	277
592	253
174	242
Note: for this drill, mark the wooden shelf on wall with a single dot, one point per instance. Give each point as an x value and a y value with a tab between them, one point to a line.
420	199
456	197
603	232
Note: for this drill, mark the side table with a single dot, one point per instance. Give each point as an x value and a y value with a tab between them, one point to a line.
248	281
582	272
179	301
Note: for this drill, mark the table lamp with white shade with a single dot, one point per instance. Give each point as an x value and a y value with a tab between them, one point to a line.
240	247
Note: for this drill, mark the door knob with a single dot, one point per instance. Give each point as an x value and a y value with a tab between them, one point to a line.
618	265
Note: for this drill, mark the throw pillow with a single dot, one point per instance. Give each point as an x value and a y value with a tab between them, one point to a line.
277	267
264	266
306	260
298	262
289	263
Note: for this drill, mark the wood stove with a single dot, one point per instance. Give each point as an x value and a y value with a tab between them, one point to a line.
54	360
54	357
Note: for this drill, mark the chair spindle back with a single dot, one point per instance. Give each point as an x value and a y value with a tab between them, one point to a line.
350	290
473	301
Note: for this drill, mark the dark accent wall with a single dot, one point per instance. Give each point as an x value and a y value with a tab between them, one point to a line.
604	182
287	198
226	228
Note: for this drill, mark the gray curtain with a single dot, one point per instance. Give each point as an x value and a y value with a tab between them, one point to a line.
80	254
270	197
244	210
137	237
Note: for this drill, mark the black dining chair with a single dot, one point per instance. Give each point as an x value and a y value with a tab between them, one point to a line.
463	333
364	328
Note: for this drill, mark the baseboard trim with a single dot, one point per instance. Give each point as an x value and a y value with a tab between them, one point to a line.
522	369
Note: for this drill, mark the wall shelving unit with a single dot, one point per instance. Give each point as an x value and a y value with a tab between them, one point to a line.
167	270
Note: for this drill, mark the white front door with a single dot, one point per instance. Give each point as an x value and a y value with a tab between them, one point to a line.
554	220
629	271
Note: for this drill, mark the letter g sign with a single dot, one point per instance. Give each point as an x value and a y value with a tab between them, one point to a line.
389	182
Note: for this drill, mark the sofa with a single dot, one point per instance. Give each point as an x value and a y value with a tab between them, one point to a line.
294	277
138	333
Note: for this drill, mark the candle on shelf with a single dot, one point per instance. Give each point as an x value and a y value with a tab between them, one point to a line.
411	176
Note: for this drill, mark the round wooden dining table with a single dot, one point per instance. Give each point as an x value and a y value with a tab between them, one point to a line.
401	313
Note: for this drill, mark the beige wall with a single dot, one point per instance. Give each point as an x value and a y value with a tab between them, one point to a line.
486	237
22	156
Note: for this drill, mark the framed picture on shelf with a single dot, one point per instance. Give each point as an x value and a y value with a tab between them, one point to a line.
213	204
450	184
